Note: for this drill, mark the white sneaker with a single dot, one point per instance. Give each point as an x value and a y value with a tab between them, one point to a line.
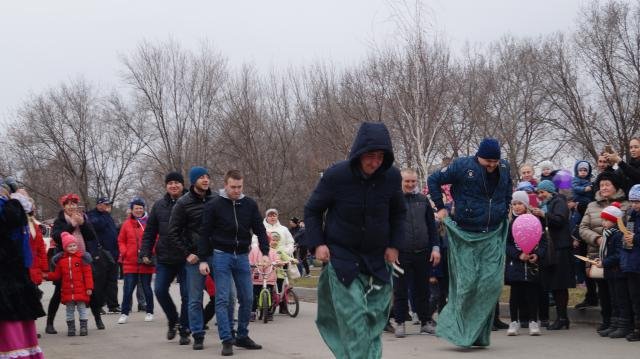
513	328
123	319
148	317
534	328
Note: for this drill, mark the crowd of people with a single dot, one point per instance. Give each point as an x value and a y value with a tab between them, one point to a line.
175	240
388	250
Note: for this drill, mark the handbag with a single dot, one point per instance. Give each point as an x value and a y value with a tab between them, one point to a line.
292	271
140	256
595	272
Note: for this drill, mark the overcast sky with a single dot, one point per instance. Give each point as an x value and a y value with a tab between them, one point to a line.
46	42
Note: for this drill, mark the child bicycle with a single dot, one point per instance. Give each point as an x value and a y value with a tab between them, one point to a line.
287	296
268	301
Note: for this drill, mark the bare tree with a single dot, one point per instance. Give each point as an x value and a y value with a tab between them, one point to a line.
66	140
179	91
607	43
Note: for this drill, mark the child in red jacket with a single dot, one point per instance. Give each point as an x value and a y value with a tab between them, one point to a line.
73	269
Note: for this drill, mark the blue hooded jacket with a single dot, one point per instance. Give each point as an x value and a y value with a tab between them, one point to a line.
365	215
578	185
630	258
476	209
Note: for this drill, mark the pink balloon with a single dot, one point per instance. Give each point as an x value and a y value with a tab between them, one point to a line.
527	231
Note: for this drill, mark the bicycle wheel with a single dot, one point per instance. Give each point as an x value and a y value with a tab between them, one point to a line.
264	306
275	300
293	303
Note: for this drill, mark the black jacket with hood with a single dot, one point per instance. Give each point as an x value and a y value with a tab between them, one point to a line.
365	215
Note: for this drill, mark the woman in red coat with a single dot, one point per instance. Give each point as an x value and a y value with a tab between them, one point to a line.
129	244
74	273
40	265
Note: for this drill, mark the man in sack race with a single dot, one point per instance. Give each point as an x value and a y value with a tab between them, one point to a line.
481	187
358	238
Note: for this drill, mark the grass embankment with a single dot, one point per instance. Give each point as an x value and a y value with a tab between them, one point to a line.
576	295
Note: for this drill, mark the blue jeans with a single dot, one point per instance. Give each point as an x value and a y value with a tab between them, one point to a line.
165	273
130	282
195	282
228	266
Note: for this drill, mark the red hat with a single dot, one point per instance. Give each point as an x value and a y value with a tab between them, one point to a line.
71	197
612	213
67	239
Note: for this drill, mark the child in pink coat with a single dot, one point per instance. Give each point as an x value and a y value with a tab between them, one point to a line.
254	258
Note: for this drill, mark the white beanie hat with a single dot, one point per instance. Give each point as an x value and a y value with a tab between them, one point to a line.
546	164
520	196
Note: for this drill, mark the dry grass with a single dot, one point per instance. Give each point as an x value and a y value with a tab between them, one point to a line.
576	295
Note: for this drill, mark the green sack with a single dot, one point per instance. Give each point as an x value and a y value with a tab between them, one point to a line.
476	277
351	319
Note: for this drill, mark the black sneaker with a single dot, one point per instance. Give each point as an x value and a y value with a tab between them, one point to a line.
247	343
389	328
114	310
172	332
198	343
498	324
227	348
544	323
184	339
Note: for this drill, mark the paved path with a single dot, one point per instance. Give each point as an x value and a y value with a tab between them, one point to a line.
298	338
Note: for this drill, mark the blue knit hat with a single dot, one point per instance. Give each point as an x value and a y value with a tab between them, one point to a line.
196	172
489	149
137	201
634	193
547	185
525	186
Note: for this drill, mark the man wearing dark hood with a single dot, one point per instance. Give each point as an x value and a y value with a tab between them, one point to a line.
357	238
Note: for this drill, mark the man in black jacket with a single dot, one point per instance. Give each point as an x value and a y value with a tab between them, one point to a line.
184	233
107	235
355	220
227	227
170	261
418	252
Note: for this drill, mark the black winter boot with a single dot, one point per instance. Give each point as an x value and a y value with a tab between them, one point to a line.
634	336
50	329
613	325
198	343
71	325
623	329
184	336
172	331
606	323
99	323
83	328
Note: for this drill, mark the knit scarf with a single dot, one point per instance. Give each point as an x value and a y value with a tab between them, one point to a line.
606	234
77	233
142	220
